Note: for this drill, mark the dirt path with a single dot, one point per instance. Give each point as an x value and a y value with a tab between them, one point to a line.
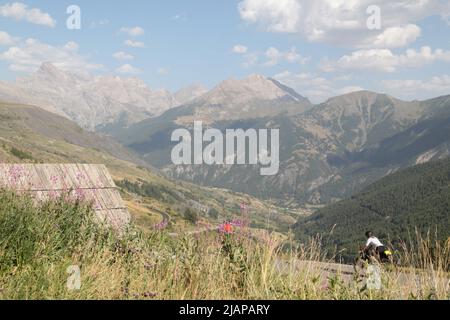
165	216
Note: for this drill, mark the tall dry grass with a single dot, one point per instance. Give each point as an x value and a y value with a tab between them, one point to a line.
39	243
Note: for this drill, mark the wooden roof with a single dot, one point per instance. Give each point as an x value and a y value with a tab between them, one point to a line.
80	181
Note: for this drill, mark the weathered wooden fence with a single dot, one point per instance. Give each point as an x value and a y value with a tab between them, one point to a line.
85	182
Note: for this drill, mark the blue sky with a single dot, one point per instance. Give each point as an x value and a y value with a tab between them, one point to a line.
321	48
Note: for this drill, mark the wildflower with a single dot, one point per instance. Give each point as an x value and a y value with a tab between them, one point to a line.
226	228
53	195
237	223
150	294
325	286
97	205
161	226
79	194
145	295
54	179
16	172
80	177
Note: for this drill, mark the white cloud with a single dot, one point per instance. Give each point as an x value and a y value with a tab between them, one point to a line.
276	15
385	60
422	89
349	89
134	44
313	86
445	14
275	56
397	37
240	49
71	46
269	58
342	22
123	56
133	32
20	11
250	60
128	69
6	39
28	56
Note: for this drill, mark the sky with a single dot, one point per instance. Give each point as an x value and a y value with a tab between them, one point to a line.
320	48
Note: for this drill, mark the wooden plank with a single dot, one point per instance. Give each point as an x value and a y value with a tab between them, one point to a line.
49	181
55	177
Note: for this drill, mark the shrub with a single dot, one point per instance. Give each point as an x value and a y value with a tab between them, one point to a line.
213	213
191	216
145	189
22	155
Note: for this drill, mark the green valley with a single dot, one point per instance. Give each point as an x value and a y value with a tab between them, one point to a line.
30	134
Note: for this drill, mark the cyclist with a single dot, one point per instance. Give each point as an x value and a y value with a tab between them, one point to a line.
375	247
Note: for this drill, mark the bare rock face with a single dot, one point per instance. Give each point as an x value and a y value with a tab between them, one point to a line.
252	97
92	102
189	93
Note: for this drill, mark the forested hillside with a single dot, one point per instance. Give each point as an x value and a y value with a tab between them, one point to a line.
393	208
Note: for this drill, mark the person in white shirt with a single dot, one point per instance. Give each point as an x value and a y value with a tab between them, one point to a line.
372	241
374	245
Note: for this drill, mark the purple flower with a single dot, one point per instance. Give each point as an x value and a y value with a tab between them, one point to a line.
161	226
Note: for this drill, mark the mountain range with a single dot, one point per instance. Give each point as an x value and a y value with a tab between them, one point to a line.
94	102
29	134
328	151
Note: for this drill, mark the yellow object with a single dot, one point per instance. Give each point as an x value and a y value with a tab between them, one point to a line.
388	253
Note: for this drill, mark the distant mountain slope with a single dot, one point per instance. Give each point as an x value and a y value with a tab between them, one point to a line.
17	120
327	152
250	100
334	156
189	93
90	101
29	134
429	138
252	97
418	197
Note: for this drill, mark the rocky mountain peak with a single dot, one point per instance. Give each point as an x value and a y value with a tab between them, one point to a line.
91	101
253	88
49	72
189	93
